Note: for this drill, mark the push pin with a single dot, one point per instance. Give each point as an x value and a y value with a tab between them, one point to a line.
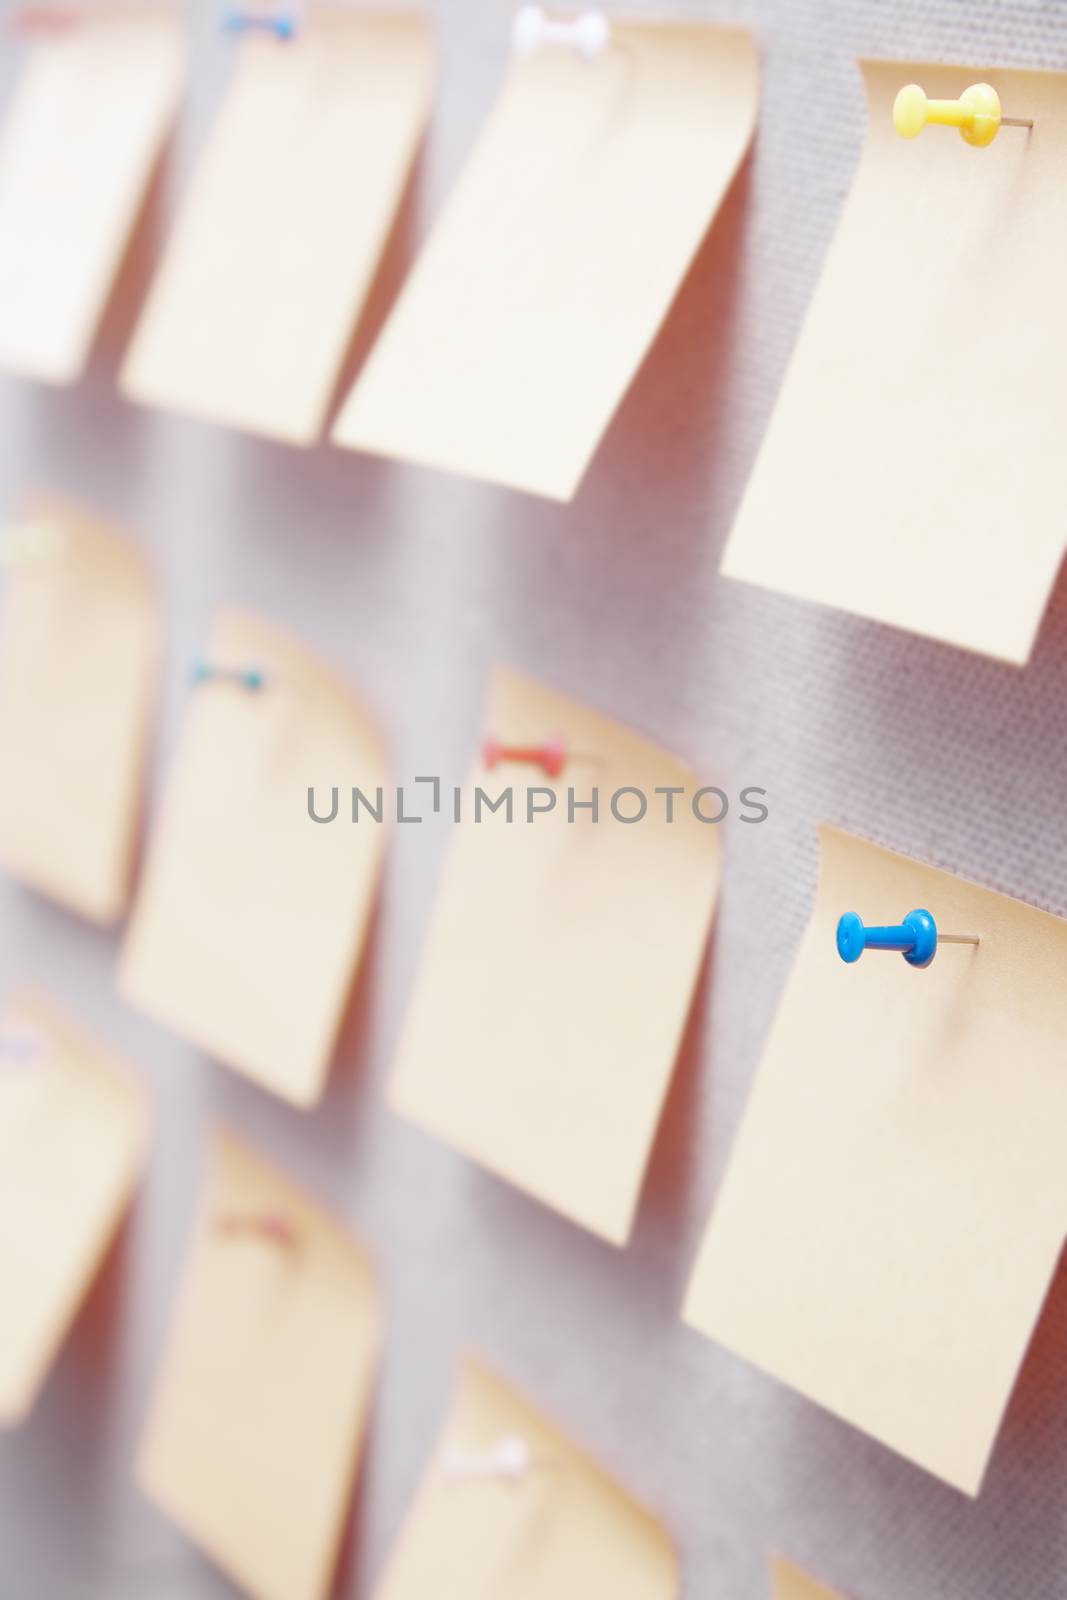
509	1460
551	756
42	20
19	1049
976	113
281	23
916	938
251	678
588	34
262	1224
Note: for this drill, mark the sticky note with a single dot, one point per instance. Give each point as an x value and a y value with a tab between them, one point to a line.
73	1133
560	961
557	256
913	470
896	1200
250	917
78	657
790	1583
77	149
278	238
259	1413
563	1530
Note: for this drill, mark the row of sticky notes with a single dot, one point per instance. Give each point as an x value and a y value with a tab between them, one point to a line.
897	1190
257	1425
912	470
518	333
249	916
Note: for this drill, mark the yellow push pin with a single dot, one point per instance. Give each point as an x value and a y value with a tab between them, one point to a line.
976	113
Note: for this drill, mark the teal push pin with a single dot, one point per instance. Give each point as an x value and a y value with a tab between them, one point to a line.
916	938
250	678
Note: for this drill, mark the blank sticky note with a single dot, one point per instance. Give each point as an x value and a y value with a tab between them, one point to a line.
557	256
73	1132
913	471
560	962
562	1530
251	917
896	1200
260	1409
78	658
790	1583
279	236
77	149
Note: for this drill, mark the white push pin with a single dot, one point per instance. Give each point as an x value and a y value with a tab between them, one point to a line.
20	1049
589	34
508	1460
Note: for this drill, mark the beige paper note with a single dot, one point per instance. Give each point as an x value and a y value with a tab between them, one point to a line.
896	1201
277	242
560	963
559	1529
259	1414
913	471
790	1583
251	917
558	256
78	655
73	1132
81	139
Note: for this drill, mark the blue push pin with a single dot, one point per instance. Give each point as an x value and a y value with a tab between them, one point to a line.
252	678
281	25
916	938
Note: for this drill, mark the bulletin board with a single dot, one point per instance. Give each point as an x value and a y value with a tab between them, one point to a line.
414	584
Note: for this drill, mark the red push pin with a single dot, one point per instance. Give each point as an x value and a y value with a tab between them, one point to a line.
264	1224
551	756
42	20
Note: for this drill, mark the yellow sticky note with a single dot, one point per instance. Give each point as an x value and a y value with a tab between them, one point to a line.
73	1132
251	917
790	1583
896	1200
78	658
560	961
560	1529
913	471
261	1406
81	139
558	255
278	239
